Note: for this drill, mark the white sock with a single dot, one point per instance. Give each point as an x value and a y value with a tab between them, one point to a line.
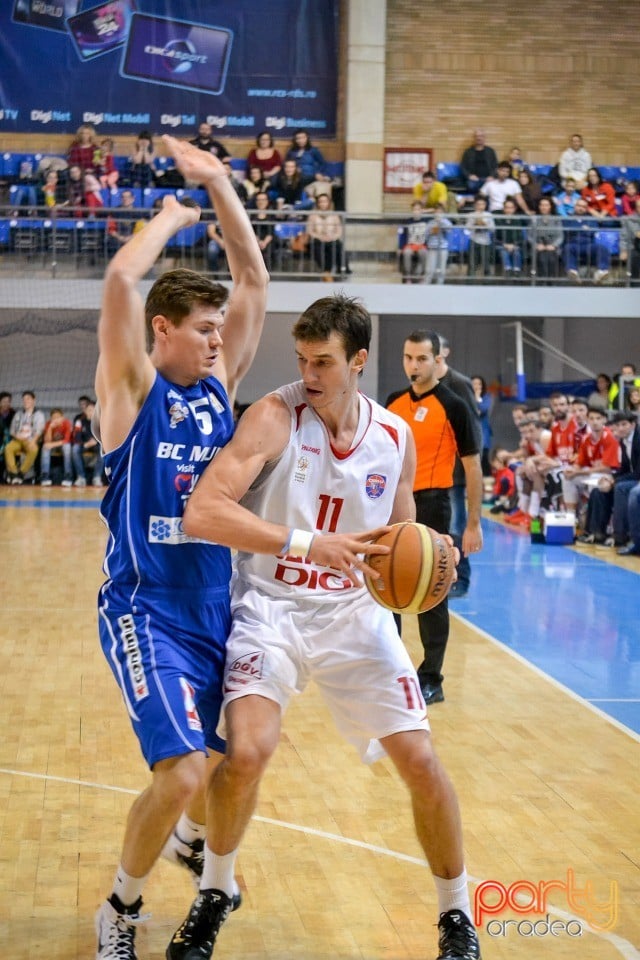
218	871
453	894
126	888
188	830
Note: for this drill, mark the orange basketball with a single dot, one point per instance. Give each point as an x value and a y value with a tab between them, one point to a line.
418	572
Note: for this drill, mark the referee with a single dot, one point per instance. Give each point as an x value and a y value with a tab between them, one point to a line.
442	425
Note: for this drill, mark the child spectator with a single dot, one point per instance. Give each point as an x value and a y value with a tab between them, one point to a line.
57	436
504	482
108	173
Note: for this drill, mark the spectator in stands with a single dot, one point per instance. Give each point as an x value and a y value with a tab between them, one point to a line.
123	222
414	247
632	404
478	163
7	414
92	194
205	141
438	228
629	198
516	162
75	191
235	183
484	404
84	151
263	225
430	192
265	156
600	396
54	193
309	159
499	188
531	191
582	246
565	201
324	228
575	162
504	482
254	183
26	431
600	196
215	246
510	238
142	163
530	475
108	174
57	437
625	380
287	188
598	456
630	242
603	497
480	226
85	450
545	239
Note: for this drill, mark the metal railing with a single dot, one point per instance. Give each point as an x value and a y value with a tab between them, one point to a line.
531	251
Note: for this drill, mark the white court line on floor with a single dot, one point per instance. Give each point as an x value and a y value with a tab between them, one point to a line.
624	947
545	676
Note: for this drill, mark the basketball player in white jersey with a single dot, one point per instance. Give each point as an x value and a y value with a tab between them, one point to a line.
308	463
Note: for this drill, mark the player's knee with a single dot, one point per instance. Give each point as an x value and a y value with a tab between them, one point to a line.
178	780
248	758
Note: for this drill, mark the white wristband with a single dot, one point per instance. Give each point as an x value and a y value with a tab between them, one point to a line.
298	543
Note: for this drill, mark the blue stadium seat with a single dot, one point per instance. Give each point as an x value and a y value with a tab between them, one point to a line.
165	163
12	163
188	236
630	173
610	174
115	196
335	169
5	233
540	169
448	171
200	196
458	240
609	239
151	194
286	231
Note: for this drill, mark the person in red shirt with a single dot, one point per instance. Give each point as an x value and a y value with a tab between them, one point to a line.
56	437
84	151
600	196
598	456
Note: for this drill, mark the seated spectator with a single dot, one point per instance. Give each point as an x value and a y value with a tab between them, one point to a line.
565	201
430	192
575	162
27	427
54	193
414	248
142	163
545	238
308	158
108	175
438	228
479	162
265	156
84	151
263	226
205	141
516	162
235	183
215	246
531	192
57	437
497	190
581	245
75	191
254	183
123	222
600	196
629	198
598	456
503	495
287	188
530	475
92	194
602	498
601	395
632	404
480	226
324	229
85	451
630	242
510	238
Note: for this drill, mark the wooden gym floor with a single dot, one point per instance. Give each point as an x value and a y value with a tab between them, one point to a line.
330	867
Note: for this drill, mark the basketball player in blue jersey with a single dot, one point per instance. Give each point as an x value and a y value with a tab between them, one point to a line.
164	610
308	463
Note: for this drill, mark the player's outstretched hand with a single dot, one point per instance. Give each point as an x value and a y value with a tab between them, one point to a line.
347	552
193	163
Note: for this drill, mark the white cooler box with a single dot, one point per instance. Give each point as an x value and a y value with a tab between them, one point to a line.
559	527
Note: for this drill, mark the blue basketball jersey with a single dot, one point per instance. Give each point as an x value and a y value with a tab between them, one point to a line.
151	476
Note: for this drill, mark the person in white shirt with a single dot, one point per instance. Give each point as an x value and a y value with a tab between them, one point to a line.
575	162
496	191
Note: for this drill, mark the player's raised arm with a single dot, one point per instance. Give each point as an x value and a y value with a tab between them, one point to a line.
244	315
125	372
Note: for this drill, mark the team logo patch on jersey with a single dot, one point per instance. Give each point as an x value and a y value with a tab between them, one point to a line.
244	670
178	411
131	648
375	485
190	709
301	469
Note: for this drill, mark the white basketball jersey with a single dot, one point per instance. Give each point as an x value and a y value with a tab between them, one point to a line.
315	487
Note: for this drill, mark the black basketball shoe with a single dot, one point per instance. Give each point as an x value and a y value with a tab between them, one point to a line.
190	856
195	937
458	939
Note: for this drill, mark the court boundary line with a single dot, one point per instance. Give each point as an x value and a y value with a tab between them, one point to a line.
624	947
589	704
